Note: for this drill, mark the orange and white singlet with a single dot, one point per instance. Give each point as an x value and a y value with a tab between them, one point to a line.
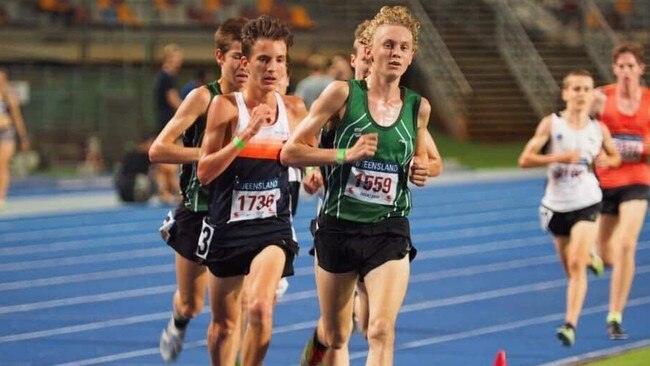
630	134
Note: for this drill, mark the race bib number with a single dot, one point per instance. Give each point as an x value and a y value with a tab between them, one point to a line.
630	147
545	216
567	173
373	181
257	200
205	239
167	224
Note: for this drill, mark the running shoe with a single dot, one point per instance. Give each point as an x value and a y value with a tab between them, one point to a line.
597	267
171	342
311	355
566	334
616	331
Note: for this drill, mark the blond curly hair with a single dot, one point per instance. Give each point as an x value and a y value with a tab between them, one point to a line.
393	15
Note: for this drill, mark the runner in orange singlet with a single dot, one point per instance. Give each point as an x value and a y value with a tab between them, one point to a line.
625	108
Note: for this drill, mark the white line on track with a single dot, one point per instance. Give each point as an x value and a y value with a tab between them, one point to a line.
598	354
501	327
164	251
425	305
59	246
62	233
84	277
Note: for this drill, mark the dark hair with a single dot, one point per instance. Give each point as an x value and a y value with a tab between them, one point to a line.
229	32
634	48
265	27
575	72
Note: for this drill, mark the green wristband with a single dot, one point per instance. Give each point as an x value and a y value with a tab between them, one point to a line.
340	156
239	143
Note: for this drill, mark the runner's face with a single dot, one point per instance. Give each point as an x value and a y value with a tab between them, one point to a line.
628	69
232	68
579	92
267	63
391	51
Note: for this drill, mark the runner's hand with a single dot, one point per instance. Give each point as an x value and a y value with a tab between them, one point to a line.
365	147
419	171
261	115
312	181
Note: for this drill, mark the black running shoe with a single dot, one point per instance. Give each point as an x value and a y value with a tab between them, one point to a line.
615	331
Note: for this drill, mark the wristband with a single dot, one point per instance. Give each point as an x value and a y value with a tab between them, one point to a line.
340	156
239	143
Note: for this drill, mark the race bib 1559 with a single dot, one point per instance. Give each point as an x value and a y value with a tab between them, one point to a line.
373	181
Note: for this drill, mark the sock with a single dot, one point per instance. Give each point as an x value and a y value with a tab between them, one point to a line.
569	325
319	346
615	316
180	321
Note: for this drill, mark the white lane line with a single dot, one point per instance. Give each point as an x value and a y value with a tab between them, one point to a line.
62	233
186	346
85	259
299	271
164	251
58	246
464	219
85	277
501	327
77	300
425	305
85	327
422	277
598	354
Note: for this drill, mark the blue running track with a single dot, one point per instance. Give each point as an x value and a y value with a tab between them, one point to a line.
95	288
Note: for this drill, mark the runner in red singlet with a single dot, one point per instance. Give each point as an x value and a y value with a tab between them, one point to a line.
625	108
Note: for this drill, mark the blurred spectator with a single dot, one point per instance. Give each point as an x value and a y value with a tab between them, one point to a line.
166	96
134	180
12	127
340	68
167	100
295	15
310	87
624	10
93	163
299	18
202	77
58	10
137	180
3	15
169	12
119	12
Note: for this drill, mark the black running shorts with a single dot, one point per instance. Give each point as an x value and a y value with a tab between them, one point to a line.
184	235
562	222
346	246
236	261
612	198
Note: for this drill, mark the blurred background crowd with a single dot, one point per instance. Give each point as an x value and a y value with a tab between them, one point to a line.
84	70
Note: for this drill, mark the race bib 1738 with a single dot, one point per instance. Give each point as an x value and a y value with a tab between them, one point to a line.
254	200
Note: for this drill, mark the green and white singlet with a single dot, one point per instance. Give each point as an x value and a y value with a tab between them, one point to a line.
195	196
375	189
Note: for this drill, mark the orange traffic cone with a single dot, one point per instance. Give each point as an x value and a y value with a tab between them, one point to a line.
500	360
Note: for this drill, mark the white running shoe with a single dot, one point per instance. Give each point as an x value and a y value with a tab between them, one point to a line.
283	286
171	342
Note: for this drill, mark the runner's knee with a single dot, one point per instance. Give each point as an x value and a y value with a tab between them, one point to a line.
191	306
260	313
381	330
221	329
